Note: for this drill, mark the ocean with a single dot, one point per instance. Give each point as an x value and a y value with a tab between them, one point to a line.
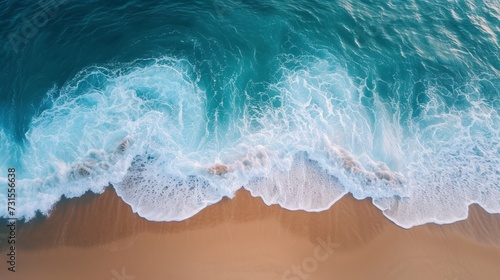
178	104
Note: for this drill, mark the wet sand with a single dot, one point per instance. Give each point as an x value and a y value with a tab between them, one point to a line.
98	237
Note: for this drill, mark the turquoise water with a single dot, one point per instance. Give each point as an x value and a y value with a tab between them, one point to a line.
182	103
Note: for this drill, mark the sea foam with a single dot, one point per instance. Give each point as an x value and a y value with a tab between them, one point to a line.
145	129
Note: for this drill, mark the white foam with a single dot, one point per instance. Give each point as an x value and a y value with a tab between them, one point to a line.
144	129
452	162
100	122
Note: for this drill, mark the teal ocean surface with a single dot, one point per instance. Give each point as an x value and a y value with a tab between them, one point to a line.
178	104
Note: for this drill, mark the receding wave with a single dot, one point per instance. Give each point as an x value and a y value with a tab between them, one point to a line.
145	129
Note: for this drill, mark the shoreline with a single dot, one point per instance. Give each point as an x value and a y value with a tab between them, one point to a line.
99	237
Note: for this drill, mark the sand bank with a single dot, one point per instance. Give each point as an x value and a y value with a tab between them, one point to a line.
98	237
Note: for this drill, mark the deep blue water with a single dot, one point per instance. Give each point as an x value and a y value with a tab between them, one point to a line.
180	103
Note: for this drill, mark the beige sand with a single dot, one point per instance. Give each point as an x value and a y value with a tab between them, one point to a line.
100	238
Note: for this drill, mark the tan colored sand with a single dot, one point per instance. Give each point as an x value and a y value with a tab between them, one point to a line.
100	238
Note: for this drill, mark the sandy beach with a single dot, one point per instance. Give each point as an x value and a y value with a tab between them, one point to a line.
98	237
